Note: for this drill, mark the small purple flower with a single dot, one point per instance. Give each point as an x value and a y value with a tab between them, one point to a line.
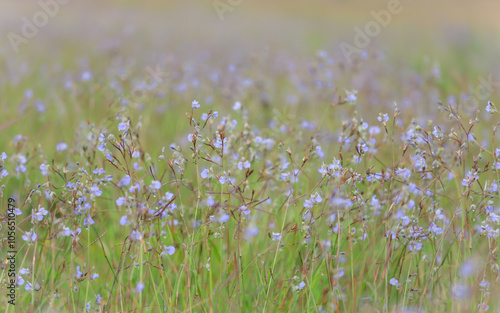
98	171
210	201
170	250
95	191
301	285
124	220
30	236
204	174
244	165
394	282
61	146
155	184
485	285
490	108
125	181
276	236
86	76
224	218
237	106
244	210
135	188
195	104
139	287
88	221
120	201
415	246
222	180
44	170
384	118
124	126
39	214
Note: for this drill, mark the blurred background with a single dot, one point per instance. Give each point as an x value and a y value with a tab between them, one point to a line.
263	52
236	26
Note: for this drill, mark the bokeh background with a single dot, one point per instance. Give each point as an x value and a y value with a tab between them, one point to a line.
459	39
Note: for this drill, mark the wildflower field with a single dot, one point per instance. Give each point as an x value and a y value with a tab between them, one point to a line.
248	162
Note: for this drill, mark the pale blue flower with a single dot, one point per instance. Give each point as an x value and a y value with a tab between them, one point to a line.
44	169
61	146
124	220
95	191
204	174
124	126
155	184
121	201
301	285
139	287
394	282
88	221
170	250
125	181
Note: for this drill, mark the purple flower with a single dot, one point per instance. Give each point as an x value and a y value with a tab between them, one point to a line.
244	209
222	180
86	76
244	165
415	246
39	214
44	170
195	104
204	174
30	236
170	250
237	106
125	181
99	171
156	184
88	221
224	218
139	287
276	236
210	201
124	126
384	118
120	201
124	220
301	285
61	146
95	191
394	282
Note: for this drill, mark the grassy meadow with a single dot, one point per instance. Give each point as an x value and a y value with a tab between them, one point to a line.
167	157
